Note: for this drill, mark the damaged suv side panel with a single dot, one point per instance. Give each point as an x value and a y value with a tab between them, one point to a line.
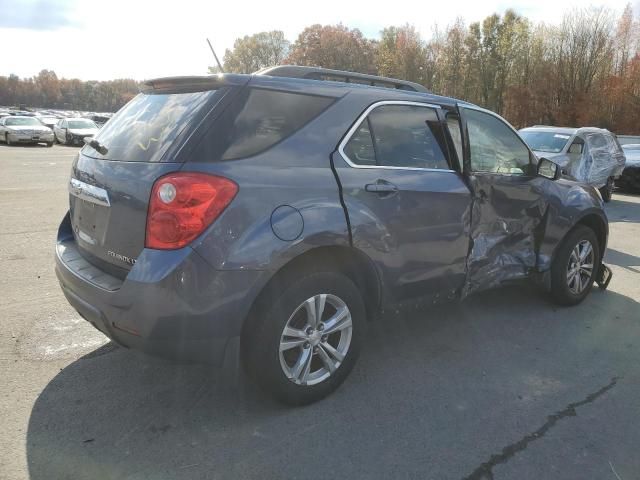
442	232
506	228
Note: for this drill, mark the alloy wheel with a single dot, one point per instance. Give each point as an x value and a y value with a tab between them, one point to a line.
580	267
315	339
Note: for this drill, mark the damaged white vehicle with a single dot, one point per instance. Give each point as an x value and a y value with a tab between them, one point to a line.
589	155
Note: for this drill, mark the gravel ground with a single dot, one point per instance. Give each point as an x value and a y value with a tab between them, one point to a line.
502	386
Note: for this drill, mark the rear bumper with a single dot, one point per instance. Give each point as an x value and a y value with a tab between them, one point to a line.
171	304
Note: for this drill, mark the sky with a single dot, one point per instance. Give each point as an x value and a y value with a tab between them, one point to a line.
107	39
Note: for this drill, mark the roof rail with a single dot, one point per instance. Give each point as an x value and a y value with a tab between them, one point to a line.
317	73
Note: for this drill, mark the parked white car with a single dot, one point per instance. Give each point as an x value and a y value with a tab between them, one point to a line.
17	129
589	155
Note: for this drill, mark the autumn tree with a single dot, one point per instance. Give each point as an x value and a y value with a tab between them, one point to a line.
582	53
253	52
402	53
46	90
334	46
625	40
48	86
446	65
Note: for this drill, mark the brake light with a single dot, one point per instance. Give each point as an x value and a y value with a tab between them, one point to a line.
183	205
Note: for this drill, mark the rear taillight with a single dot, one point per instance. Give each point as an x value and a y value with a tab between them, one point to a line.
183	205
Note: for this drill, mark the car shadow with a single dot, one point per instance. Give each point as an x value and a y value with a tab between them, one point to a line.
462	372
624	260
623	209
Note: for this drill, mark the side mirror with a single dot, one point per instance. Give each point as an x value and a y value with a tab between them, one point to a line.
548	169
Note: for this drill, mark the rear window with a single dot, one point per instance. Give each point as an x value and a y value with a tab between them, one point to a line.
258	120
144	128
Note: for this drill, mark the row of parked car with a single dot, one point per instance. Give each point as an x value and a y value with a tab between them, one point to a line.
18	129
50	116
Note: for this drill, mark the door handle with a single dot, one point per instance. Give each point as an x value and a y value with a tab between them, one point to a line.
381	187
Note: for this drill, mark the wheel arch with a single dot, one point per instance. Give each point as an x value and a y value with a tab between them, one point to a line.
352	262
596	223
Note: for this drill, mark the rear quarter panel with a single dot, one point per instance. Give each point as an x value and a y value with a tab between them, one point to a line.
295	173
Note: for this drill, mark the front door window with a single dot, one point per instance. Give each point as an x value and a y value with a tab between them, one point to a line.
494	147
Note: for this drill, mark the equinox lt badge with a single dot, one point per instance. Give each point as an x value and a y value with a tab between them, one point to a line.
122	258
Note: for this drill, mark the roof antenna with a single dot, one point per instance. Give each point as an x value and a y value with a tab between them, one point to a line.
215	56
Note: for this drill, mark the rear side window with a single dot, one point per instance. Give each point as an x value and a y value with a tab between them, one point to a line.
144	128
259	119
360	147
404	136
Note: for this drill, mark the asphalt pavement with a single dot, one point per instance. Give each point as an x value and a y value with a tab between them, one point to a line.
502	386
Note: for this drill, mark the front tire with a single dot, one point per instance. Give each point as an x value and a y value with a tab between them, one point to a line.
303	339
7	141
574	267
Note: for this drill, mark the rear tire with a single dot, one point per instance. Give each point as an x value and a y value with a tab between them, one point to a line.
49	144
607	190
571	276
310	360
7	141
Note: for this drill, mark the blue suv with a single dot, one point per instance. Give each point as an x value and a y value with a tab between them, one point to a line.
273	214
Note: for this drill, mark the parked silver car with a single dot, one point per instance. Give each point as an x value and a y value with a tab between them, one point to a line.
17	129
73	131
590	155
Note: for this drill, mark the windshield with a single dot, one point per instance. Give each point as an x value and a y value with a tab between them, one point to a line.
550	142
81	124
144	128
21	122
